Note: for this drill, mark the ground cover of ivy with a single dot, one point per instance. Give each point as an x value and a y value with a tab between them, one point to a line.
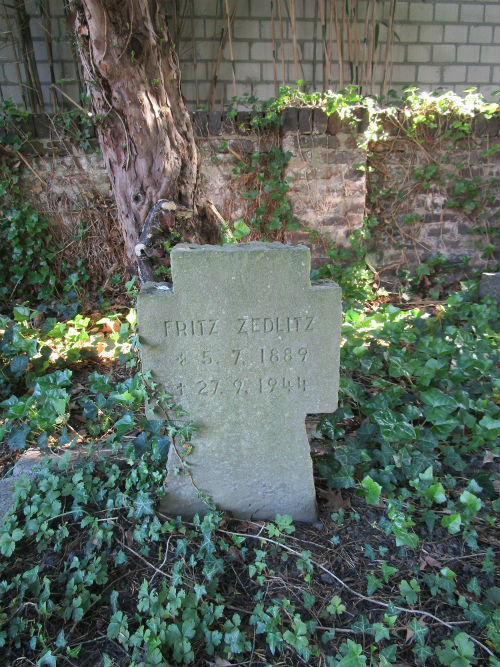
400	570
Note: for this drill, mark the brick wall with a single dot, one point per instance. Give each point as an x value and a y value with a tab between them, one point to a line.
333	184
416	219
328	192
450	43
65	69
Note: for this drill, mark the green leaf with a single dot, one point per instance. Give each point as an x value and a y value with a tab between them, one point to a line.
472	502
447	573
387	570
423	652
342	479
473	586
452	522
285	523
335	607
361	625
491	425
240	229
373	583
21	313
403	537
393	427
438	399
464	645
17	437
124	424
118	625
8	541
47	660
436	493
373	490
352	653
61	640
410	590
419	631
144	504
381	631
18	365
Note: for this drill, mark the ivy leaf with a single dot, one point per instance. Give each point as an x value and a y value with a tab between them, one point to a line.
124	424
473	586
61	640
18	365
404	538
369	553
335	606
173	635
442	423
120	558
47	660
491	425
274	640
21	313
419	631
393	427
342	479
241	229
438	399
118	625
464	645
475	614
381	631
17	437
352	653
423	652
162	447
452	459
8	541
436	493
347	456
140	443
387	570
431	369
452	522
409	590
471	502
361	625
373	490
200	591
143	504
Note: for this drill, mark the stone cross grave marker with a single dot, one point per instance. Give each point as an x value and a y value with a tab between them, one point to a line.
247	347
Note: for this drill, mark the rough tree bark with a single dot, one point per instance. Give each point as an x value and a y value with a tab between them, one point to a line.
145	132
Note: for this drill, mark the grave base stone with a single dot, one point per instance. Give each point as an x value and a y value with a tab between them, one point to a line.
247	346
490	286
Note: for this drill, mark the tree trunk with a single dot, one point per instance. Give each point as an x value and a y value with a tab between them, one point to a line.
144	129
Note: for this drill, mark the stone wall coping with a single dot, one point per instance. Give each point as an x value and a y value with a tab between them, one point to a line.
299	120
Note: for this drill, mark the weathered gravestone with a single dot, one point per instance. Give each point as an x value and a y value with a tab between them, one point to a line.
248	347
490	286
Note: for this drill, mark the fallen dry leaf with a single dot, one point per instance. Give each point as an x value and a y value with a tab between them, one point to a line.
429	560
489	457
220	662
335	499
